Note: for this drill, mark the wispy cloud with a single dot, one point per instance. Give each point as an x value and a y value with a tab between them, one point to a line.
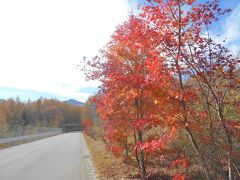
232	30
228	29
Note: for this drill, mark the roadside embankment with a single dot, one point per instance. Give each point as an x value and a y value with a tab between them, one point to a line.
106	165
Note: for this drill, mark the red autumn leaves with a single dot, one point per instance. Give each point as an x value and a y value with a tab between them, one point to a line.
160	78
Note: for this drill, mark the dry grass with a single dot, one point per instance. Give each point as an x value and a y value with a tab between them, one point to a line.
106	165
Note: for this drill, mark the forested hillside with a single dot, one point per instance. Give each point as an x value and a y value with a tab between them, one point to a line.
16	114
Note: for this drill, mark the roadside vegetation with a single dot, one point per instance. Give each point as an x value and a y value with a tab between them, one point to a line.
169	100
108	166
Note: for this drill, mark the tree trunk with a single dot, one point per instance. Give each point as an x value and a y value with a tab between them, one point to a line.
140	154
136	153
126	146
139	138
229	141
197	150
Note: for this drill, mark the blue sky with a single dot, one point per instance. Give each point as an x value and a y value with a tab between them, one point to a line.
25	94
229	27
43	41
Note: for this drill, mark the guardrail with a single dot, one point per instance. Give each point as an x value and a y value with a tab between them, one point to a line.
29	137
41	133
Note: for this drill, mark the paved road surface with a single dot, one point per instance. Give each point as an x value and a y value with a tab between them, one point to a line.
62	157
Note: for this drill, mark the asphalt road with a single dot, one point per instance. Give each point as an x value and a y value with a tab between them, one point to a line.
62	157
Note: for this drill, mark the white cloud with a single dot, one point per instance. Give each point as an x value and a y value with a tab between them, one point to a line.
42	41
231	31
232	25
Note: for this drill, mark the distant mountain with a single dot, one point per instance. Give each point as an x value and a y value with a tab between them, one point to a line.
1	100
74	102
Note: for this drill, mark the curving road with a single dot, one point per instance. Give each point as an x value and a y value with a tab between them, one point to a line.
62	157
